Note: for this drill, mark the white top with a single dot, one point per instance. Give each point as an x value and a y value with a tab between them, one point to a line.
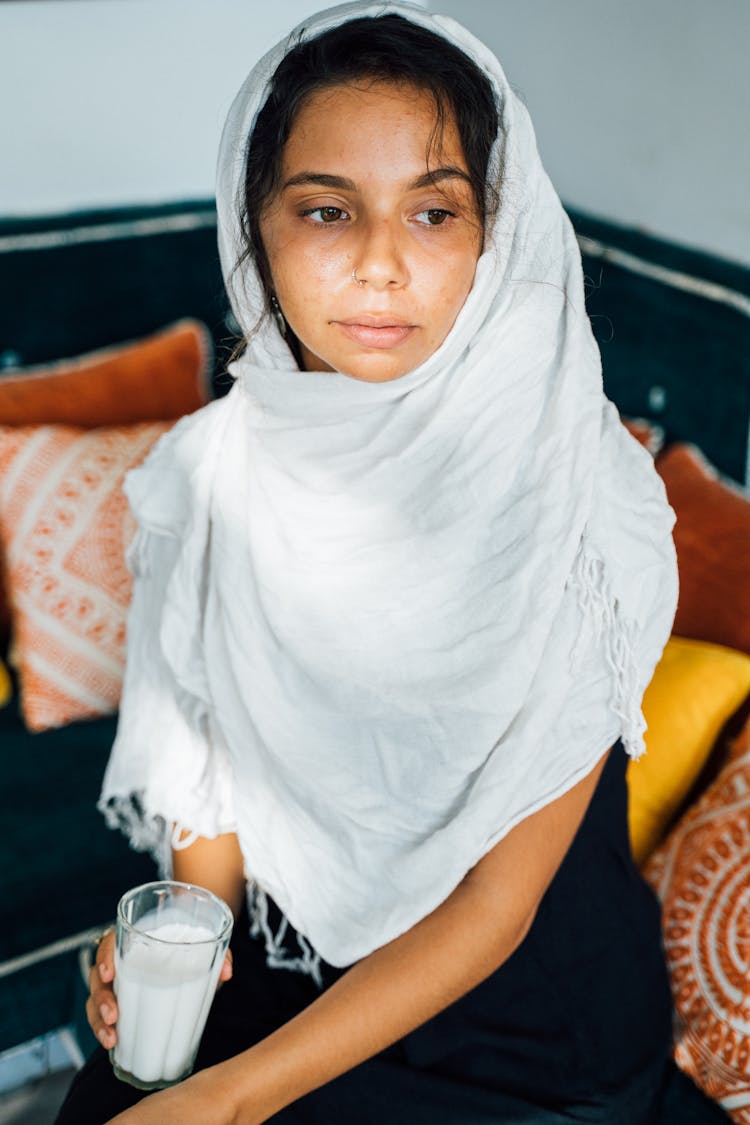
377	625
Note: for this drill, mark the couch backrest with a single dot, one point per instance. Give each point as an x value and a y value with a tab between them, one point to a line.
673	325
73	283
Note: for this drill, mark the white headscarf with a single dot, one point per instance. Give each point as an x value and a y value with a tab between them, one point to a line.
412	612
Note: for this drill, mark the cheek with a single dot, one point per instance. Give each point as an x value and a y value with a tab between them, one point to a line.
306	276
304	310
448	291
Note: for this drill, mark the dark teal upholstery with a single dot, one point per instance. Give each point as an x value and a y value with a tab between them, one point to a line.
679	357
62	870
72	283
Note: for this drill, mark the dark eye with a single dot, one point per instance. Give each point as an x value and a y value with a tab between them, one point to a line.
326	214
435	216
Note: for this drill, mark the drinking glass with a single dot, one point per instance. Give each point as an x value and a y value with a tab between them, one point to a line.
170	942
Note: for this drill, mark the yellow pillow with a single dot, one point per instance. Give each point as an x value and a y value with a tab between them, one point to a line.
694	690
4	685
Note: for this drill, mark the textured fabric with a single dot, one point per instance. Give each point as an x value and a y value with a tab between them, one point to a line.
702	875
417	611
712	537
65	525
160	377
695	690
175	769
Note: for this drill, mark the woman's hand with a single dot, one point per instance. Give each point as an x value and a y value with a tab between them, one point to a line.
101	1006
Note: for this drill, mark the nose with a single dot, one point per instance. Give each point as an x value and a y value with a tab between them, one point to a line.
380	260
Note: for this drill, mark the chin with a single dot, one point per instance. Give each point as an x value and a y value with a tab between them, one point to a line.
376	368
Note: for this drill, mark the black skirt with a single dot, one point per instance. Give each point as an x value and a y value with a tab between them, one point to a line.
576	1026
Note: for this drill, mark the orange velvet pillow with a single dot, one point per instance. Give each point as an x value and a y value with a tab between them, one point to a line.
65	525
161	376
712	539
702	875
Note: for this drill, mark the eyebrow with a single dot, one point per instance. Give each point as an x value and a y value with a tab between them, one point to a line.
323	179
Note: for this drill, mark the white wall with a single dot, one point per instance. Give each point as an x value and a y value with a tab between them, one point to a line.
122	101
640	106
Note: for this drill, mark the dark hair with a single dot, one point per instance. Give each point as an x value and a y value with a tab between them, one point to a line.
386	48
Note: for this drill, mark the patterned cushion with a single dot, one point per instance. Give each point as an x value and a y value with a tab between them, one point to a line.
702	875
65	524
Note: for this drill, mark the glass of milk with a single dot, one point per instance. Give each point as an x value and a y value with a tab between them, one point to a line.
170	943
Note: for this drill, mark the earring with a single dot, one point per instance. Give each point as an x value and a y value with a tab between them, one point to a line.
278	315
355	279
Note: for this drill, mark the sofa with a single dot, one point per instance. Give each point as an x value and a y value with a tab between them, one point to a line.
673	328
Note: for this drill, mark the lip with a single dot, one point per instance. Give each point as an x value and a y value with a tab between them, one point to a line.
376	330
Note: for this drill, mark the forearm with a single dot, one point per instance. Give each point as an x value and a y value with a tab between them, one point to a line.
381	998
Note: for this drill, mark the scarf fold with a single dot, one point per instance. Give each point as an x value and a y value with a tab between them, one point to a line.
418	610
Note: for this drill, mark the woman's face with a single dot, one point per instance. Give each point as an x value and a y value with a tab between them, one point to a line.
355	194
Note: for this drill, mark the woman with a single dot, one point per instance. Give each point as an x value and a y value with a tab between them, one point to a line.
397	599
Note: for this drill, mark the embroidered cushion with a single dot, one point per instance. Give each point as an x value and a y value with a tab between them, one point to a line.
65	525
702	875
695	689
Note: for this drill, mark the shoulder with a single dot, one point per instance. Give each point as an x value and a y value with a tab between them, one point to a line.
164	490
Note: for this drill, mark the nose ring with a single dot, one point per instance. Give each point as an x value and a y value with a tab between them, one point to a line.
355	279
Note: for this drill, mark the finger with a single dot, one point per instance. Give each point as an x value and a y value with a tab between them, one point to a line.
101	1007
105	957
102	992
103	1031
103	999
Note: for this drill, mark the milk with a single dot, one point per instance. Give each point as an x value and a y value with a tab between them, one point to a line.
164	992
